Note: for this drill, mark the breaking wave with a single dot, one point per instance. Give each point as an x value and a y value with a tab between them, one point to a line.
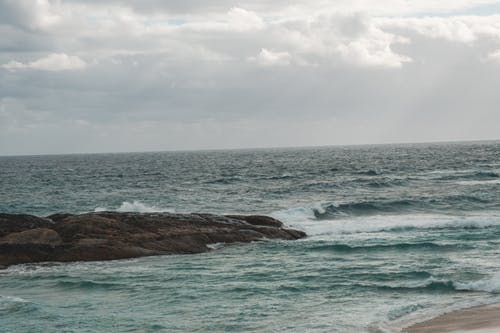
430	285
305	219
332	211
135	206
13	304
362	208
490	285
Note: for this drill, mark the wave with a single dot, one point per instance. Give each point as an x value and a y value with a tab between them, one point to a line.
490	285
380	182
12	299
479	182
87	284
474	175
483	174
362	208
216	246
13	304
404	311
283	176
304	218
428	286
224	180
333	211
135	206
388	276
369	173
239	179
387	247
423	205
387	183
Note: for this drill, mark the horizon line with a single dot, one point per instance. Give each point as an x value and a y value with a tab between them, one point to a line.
256	148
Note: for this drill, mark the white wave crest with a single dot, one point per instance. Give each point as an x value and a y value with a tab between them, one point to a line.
299	214
479	182
135	206
12	299
304	219
216	246
491	285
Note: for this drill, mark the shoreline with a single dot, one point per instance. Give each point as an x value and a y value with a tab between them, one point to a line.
476	319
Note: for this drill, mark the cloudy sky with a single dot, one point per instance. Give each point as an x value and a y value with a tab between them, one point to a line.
142	75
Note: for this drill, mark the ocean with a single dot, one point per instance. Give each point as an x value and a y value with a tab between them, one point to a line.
397	233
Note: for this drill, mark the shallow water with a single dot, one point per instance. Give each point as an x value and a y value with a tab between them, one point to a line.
397	232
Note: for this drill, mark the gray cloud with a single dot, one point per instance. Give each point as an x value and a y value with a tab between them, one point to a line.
103	76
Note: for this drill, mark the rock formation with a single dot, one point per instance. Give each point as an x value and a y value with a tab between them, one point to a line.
113	235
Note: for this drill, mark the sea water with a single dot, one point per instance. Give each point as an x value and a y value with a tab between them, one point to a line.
397	233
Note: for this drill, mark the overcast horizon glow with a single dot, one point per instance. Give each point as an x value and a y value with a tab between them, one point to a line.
101	76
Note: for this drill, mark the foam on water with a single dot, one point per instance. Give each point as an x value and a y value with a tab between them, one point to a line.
304	218
479	182
12	299
216	246
490	284
135	206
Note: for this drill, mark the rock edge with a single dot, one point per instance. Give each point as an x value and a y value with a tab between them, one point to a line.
116	235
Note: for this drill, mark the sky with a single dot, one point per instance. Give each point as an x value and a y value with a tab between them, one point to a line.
148	75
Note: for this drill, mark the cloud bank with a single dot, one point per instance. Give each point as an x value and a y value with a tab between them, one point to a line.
52	62
84	76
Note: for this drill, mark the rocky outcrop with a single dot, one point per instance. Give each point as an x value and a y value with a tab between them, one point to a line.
41	236
113	235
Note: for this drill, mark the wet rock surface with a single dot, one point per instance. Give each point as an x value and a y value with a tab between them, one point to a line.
115	235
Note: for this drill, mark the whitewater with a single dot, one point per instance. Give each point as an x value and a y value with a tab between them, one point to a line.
397	233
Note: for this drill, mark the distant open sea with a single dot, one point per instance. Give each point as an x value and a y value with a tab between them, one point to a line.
397	233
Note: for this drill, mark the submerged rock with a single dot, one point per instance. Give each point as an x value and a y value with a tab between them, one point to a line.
114	235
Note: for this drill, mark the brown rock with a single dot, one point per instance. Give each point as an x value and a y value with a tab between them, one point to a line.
39	236
259	220
113	235
10	223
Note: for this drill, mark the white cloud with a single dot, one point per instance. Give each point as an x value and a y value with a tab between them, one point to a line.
270	58
53	62
352	39
30	14
287	8
494	56
366	52
236	20
373	48
463	29
450	29
243	20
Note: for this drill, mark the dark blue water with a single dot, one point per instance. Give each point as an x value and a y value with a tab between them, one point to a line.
397	232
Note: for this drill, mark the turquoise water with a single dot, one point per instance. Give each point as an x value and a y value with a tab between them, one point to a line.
396	233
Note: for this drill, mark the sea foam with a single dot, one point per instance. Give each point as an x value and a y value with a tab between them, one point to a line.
491	284
305	219
135	206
